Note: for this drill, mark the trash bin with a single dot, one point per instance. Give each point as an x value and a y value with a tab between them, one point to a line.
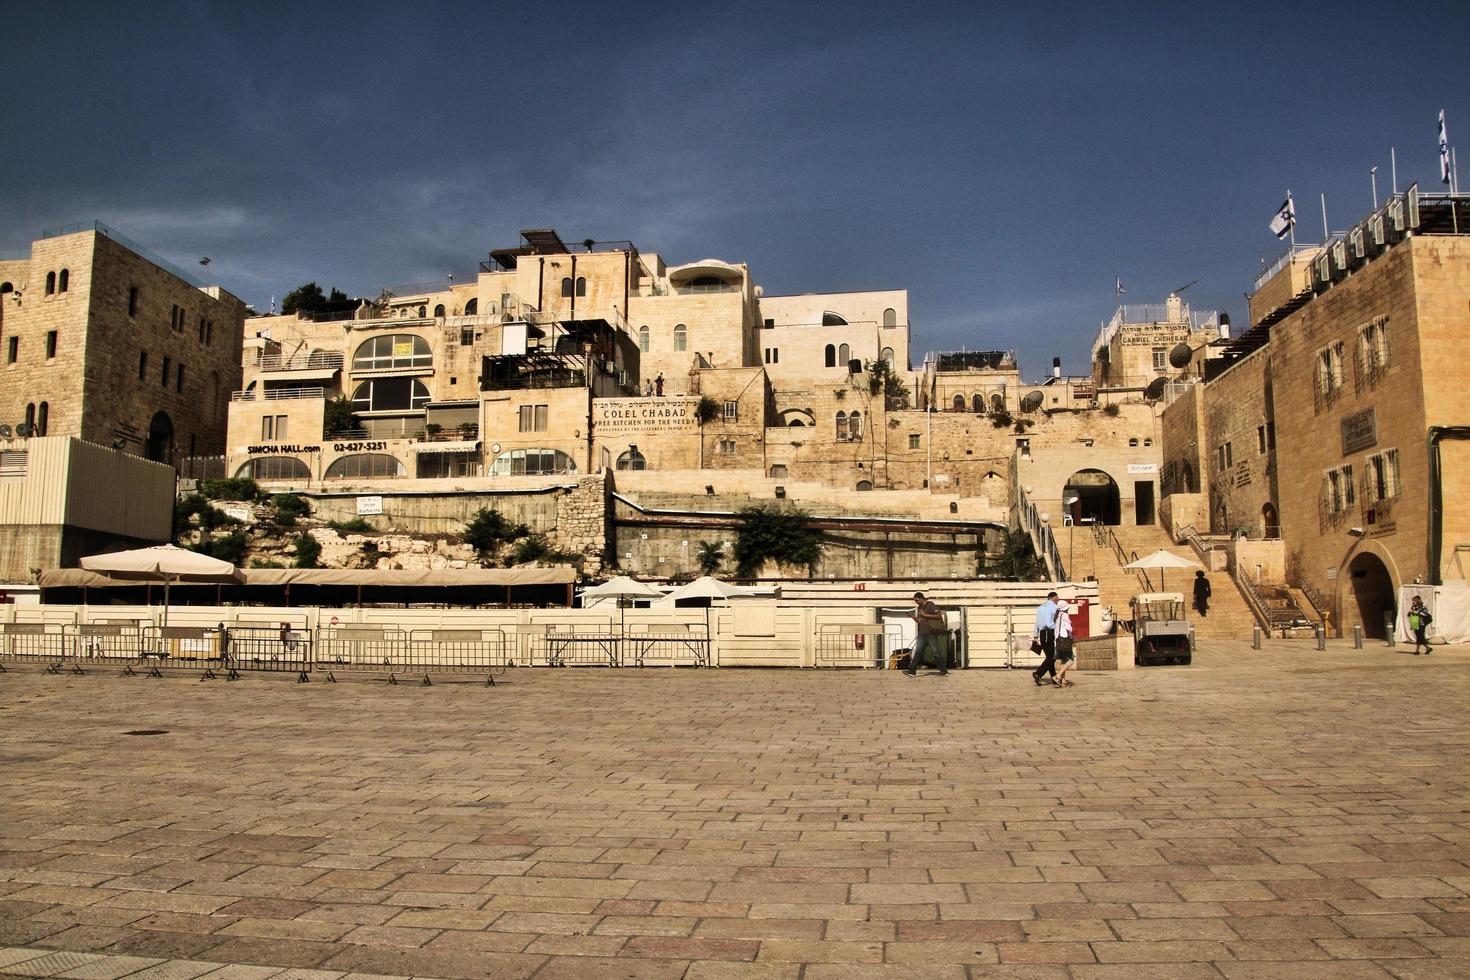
1390	625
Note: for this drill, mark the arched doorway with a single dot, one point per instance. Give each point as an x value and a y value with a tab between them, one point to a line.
1270	523
1098	500
160	444
1372	593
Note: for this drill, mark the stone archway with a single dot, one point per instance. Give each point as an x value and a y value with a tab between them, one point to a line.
1270	523
1098	498
1368	595
160	444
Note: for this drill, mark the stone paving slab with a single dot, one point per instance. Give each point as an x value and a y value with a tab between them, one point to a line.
1285	812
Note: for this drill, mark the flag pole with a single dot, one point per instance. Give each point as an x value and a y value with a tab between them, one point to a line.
1291	224
1325	233
1393	159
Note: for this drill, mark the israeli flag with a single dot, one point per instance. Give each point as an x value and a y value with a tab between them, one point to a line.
1444	152
1284	219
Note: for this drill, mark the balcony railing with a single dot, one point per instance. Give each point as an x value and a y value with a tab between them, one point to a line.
317	360
278	394
468	432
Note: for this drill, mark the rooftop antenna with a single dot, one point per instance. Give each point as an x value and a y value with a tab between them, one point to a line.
1184	287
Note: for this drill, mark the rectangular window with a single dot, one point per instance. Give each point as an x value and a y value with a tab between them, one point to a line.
280	426
12	353
1329	369
727	447
132	301
202	322
533	418
467	337
732	411
50	345
180	378
913	440
208	332
183	319
1161	359
268	429
163	375
143	365
1261	439
1382	478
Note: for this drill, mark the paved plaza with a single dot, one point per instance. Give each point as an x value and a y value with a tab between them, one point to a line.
1285	813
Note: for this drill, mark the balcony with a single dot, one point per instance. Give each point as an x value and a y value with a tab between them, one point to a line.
278	394
317	360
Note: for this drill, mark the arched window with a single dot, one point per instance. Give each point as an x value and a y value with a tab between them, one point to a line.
566	287
890	317
830	356
43	416
532	462
632	460
830	319
977	404
855	426
366	466
841	427
389	395
997	403
439	310
423	312
681	337
5	287
472	307
844	354
888	355
31	418
778	471
643	338
797	422
274	468
581	286
64	283
50	283
393	352
959	403
864	486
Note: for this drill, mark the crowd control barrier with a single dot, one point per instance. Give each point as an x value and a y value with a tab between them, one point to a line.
850	645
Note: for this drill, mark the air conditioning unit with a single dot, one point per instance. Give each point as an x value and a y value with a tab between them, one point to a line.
1338	253
1396	216
1358	244
1411	207
1322	271
1376	231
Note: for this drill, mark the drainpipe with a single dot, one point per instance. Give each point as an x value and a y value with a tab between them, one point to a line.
1436	494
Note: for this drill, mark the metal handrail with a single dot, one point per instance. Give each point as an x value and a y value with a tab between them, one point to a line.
1248	589
1192	536
313	360
278	394
1282	261
1041	535
1106	537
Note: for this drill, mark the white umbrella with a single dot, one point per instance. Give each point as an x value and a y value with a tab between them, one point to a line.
164	563
705	587
1161	560
621	587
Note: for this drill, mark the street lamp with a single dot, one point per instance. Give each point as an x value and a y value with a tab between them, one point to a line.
1069	502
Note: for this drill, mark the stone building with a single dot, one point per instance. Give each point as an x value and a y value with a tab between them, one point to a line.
102	340
1146	343
1335	426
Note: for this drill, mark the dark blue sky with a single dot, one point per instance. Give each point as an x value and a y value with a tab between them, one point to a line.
1002	165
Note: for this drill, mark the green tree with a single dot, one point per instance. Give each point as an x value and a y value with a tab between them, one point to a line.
707	410
489	529
1016	559
710	557
338	417
883	378
304	299
767	533
337	296
308	550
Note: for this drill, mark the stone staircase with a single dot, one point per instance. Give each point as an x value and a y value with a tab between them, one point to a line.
1229	616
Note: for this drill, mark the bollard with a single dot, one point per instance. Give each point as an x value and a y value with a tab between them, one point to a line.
1256	638
1321	638
1357	636
1191	639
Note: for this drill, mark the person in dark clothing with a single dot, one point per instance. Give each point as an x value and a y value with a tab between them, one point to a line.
1045	635
1201	593
1419	620
931	625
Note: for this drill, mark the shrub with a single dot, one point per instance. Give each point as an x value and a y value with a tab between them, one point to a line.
265	563
1001	419
196	506
534	547
1016	559
338	417
308	550
1111	410
707	410
355	525
1022	425
229	547
234	488
774	534
489	529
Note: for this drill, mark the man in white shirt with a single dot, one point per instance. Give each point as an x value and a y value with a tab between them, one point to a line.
1046	635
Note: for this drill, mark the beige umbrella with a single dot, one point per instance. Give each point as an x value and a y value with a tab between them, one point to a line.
621	587
1161	560
164	563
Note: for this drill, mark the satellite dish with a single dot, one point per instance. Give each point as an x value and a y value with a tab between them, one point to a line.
24	431
4	431
1032	401
1180	355
1155	389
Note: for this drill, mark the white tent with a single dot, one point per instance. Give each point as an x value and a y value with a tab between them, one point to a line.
705	587
1161	560
618	588
163	563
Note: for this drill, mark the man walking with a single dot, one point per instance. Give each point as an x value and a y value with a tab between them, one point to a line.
1201	593
930	625
1046	635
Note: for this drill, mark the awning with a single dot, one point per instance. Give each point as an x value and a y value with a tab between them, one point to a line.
76	578
303	374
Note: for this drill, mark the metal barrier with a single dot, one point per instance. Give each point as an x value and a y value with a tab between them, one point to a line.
561	646
203	647
34	643
283	648
850	645
121	644
457	651
667	644
374	649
